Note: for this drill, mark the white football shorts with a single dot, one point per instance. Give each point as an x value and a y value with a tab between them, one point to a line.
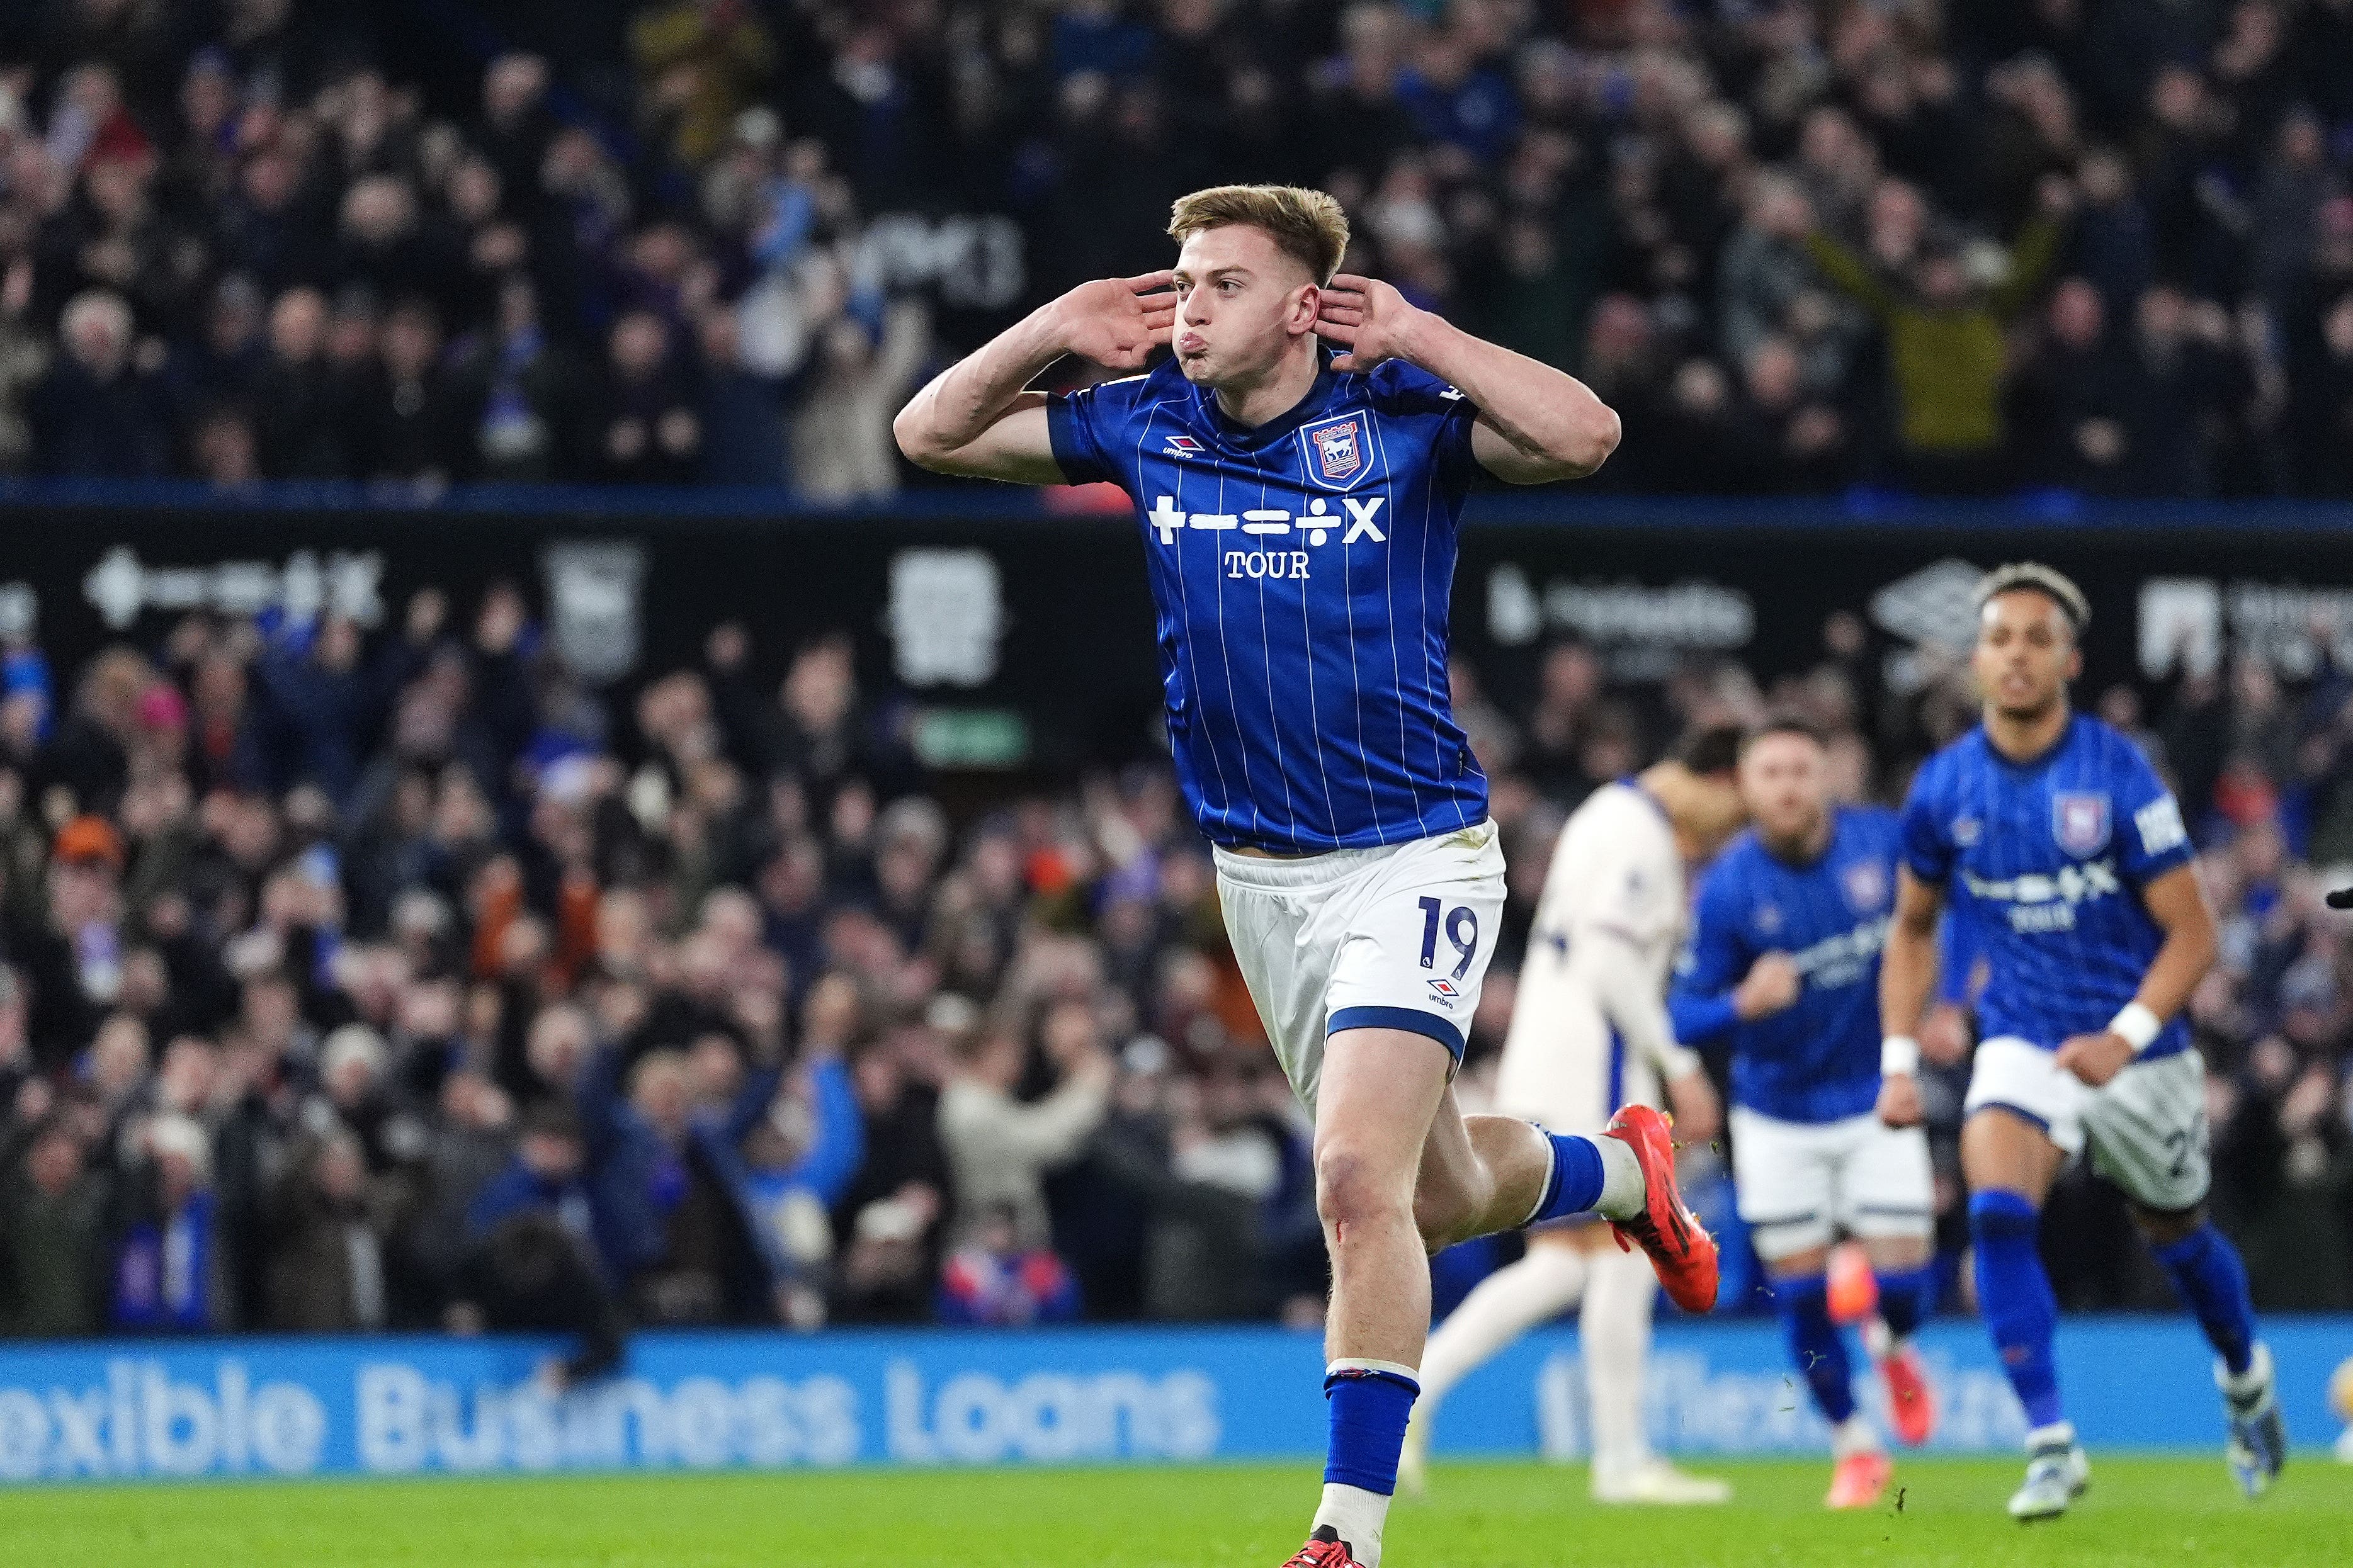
1802	1185
2146	1126
1393	937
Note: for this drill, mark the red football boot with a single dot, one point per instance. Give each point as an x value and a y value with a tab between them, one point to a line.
1682	1253
1911	1403
1859	1480
1325	1549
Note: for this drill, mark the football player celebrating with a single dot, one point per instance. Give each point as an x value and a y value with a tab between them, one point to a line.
1299	513
2050	836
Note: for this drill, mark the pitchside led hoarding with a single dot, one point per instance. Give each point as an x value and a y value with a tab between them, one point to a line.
286	1407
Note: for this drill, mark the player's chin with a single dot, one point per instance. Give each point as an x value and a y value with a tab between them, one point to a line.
1196	365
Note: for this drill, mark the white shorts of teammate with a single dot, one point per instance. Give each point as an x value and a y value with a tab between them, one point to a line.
2146	1126
1801	1184
1392	938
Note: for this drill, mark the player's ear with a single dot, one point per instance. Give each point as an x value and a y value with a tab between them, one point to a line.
1306	308
2075	661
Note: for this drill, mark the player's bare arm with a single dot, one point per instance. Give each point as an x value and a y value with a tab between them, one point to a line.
2177	902
1908	975
1639	1015
978	417
1536	424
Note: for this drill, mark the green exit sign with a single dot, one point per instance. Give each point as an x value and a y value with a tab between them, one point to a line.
971	738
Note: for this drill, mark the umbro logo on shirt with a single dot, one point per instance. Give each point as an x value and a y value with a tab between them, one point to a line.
1181	447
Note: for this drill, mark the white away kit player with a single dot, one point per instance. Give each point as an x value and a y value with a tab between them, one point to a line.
1590	1034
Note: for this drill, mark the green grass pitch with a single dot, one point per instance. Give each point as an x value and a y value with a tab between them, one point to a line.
2176	1512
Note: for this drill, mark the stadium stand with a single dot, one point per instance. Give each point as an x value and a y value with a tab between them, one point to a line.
1957	246
333	965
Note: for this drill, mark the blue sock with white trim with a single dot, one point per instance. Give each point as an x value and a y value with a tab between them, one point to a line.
2014	1293
1574	1185
1369	1404
1816	1346
1907	1298
2205	1267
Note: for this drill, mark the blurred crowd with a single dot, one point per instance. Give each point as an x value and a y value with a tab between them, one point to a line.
1951	245
405	981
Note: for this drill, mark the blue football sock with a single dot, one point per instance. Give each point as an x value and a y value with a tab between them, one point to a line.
1575	1182
2014	1293
2205	1267
1816	1346
1368	1410
1906	1299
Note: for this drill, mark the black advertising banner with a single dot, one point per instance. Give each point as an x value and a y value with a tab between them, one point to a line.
1035	630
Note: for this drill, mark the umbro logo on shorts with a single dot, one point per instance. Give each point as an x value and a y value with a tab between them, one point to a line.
1445	992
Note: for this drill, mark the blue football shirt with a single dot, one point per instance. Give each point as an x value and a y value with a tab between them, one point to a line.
1817	1059
2043	862
1300	574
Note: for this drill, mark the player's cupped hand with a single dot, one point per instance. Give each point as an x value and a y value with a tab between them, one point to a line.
1771	985
1118	321
1899	1100
2096	1058
1365	316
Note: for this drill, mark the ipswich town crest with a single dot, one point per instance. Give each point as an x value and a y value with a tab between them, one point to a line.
1866	887
1336	449
2079	821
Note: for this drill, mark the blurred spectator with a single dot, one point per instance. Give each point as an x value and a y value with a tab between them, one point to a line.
993	1281
998	1147
53	1241
529	1276
743	412
294	395
171	1265
697	62
327	1269
863	373
648	430
407	420
74	956
1944	332
99	414
523	395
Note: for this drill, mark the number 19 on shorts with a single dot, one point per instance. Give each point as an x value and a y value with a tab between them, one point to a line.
1460	925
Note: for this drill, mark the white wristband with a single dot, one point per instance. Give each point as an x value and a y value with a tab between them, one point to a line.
1899	1055
2137	1024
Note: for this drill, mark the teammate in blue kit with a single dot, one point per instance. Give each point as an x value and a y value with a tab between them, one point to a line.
1299	513
1784	959
2052	838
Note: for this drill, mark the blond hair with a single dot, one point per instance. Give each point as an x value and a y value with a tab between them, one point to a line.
1307	225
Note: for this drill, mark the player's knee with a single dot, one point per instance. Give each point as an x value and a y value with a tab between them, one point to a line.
2164	1227
1353	1189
